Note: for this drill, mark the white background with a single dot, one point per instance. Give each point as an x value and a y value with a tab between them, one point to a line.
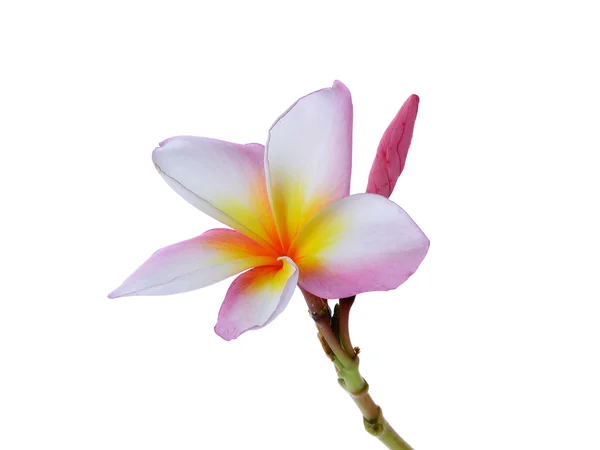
493	344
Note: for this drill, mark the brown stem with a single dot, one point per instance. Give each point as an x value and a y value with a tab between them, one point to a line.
345	305
320	312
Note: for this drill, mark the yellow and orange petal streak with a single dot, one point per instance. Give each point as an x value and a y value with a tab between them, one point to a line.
317	236
359	243
223	179
229	245
196	263
308	158
256	297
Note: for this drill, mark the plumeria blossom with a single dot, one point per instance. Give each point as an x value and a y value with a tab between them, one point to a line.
292	221
393	148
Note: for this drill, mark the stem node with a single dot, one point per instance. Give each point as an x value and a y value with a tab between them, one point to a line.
375	426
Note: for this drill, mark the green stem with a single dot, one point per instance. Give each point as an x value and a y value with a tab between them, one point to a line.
349	376
373	419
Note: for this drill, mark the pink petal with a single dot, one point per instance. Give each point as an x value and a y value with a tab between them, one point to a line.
393	147
309	158
195	263
255	298
360	243
222	179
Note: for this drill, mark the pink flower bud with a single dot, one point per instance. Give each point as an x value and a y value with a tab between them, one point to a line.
392	150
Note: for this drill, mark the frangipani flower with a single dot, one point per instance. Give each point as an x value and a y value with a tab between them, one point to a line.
291	217
393	148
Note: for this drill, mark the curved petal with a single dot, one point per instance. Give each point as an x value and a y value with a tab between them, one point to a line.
309	158
393	148
360	243
195	263
256	297
222	179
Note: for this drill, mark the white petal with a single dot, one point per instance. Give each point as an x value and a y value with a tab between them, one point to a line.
222	179
360	243
309	158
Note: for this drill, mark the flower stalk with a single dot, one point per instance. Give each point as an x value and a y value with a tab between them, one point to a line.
338	348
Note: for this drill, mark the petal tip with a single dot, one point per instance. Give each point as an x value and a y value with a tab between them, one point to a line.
165	142
341	87
115	294
122	291
172	142
337	84
155	156
226	333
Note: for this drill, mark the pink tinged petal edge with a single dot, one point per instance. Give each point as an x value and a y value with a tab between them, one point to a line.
195	263
308	159
222	179
393	148
256	298
361	243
